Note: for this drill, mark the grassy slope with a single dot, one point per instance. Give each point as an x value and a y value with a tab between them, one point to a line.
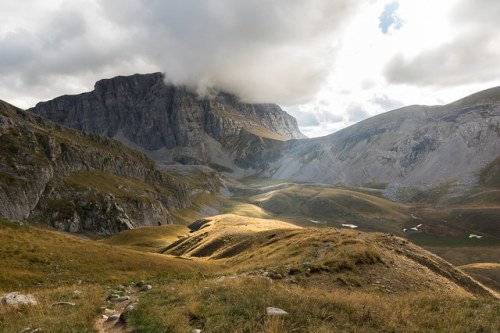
486	273
187	293
52	265
237	304
148	239
334	206
340	282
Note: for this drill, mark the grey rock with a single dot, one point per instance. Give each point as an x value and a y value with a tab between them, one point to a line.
109	312
172	123
416	146
16	299
122	299
125	315
113	317
146	287
272	311
39	161
77	294
64	304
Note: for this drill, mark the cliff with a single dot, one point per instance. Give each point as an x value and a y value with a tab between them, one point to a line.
170	123
77	182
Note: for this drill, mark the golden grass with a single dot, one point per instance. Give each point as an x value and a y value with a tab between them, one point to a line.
246	209
52	265
334	206
38	258
148	239
238	305
188	294
486	273
56	319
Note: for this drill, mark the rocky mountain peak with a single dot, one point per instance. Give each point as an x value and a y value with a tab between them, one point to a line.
143	110
171	124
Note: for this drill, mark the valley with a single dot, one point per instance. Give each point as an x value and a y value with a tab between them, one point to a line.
141	207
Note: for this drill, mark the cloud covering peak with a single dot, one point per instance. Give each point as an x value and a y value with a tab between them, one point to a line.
279	51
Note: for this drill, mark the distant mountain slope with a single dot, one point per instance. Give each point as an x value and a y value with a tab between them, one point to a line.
145	113
415	145
78	182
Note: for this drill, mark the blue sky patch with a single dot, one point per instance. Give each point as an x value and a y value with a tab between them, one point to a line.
389	18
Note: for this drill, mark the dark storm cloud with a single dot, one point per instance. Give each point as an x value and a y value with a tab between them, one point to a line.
473	56
276	51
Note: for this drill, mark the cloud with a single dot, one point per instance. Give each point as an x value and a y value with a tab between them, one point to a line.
264	51
386	103
356	112
472	56
276	51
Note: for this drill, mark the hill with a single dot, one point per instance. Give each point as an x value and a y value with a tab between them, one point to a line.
82	182
225	274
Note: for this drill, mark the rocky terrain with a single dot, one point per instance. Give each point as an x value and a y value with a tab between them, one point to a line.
173	124
78	182
421	146
416	148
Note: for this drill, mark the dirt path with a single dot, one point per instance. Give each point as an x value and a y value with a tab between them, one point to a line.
113	318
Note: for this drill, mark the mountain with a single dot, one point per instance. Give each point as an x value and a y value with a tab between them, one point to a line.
79	182
172	123
415	145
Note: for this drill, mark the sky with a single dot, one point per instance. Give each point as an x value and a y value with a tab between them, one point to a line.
329	63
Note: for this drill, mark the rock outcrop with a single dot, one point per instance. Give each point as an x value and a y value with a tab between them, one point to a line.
422	146
77	181
170	123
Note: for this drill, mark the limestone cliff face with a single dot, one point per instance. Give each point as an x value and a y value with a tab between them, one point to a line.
78	181
145	113
415	145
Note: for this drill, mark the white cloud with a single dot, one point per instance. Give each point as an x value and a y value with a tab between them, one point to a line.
328	62
428	59
264	51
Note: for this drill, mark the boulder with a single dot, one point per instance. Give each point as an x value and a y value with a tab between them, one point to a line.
16	299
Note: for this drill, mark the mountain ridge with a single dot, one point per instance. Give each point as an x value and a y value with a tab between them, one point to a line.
411	146
81	182
167	121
